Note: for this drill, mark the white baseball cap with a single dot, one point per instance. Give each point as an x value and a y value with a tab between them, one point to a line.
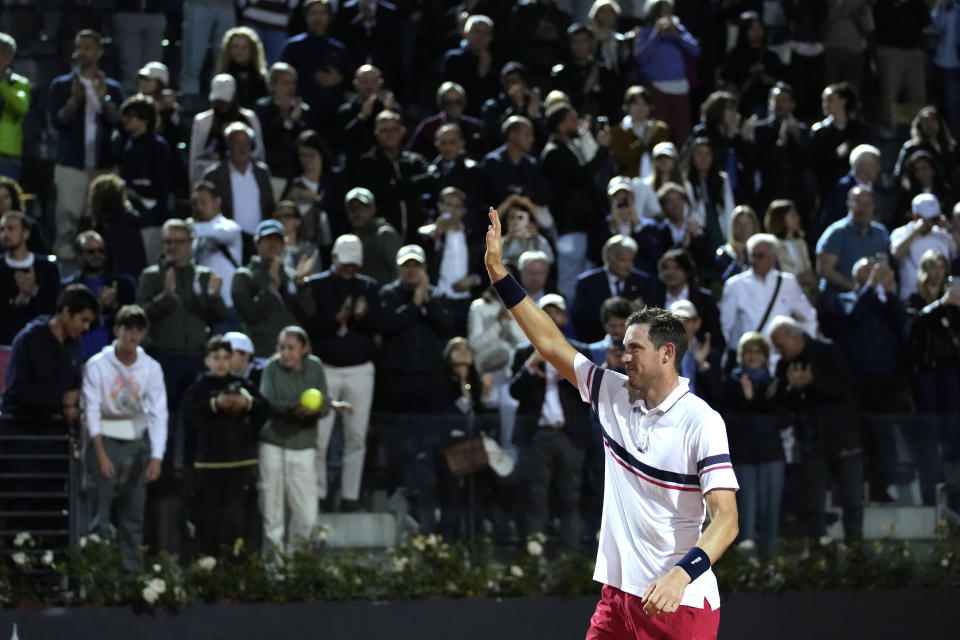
926	206
411	252
156	71
239	341
684	309
552	298
223	87
348	249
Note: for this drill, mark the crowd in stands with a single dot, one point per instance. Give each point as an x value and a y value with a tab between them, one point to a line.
302	203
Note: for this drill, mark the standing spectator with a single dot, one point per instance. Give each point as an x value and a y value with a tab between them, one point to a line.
284	116
139	27
452	168
471	67
927	230
114	218
613	316
814	388
371	30
576	208
639	132
451	100
751	67
288	440
223	418
639	219
711	197
510	168
945	17
844	242
534	268
677	272
538	35
793	255
732	258
515	99
665	53
266	295
241	56
204	24
782	153
901	62
848	26
417	323
929	132
732	140
29	282
357	117
242	361
617	277
270	19
522	233
124	400
695	365
182	300
833	138
553	429
865	167
84	106
613	48
217	240
752	299
344	331
684	230
43	376
755	444
298	254
393	176
145	168
591	87
380	239
935	363
243	183
155	83
805	27
321	63
11	195
113	290
872	322
921	175
207	140
14	104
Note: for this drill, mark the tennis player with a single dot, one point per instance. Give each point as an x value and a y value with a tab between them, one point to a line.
666	458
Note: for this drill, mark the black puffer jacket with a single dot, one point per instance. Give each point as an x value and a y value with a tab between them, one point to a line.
934	334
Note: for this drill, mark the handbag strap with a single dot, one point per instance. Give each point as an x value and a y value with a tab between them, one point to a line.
773	298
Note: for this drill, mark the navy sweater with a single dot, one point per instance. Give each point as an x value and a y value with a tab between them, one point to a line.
41	370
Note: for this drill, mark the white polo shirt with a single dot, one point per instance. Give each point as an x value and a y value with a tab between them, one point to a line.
659	463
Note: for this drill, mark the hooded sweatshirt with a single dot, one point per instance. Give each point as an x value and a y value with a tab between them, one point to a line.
124	402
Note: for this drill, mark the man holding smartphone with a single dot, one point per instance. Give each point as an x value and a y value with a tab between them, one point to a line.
929	229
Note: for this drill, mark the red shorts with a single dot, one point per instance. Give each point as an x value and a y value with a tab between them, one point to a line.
620	616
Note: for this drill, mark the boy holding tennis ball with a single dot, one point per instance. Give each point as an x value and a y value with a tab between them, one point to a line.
288	440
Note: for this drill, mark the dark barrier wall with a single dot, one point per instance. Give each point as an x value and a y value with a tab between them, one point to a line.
877	615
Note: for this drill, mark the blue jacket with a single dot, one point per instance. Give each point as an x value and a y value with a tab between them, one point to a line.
41	370
663	58
310	54
871	330
145	167
947	23
70	144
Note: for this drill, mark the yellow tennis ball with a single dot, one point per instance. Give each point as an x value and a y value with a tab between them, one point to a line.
311	399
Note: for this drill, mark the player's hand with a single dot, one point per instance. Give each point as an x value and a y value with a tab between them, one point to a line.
664	594
493	258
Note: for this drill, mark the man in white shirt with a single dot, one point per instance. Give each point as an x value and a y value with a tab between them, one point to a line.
125	405
667	459
755	297
929	229
217	240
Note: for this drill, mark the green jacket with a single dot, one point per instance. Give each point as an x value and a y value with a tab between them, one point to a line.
14	104
264	312
282	388
179	324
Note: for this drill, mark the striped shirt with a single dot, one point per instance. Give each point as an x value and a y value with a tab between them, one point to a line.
659	463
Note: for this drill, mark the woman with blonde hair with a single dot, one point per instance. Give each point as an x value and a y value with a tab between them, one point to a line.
732	257
241	56
117	222
934	352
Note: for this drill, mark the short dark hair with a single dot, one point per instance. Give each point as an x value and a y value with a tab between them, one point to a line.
615	307
663	327
684	260
142	107
132	316
77	298
556	114
218	343
19	216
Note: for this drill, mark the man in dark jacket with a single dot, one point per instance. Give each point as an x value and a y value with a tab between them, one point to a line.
84	106
510	169
356	118
781	144
814	396
29	282
416	325
114	290
451	100
222	420
394	176
343	333
592	87
472	66
553	425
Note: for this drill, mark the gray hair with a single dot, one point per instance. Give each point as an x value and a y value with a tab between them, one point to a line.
762	238
530	256
859	153
617	243
277	69
7	44
785	324
234	127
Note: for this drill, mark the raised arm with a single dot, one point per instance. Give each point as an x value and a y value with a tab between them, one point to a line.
537	325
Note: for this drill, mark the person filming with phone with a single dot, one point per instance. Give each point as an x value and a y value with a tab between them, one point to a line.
929	229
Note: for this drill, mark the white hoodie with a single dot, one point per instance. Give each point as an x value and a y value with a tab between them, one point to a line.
113	391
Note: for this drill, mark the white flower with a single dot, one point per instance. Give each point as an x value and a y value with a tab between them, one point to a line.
47	558
322	534
83	542
443	554
22	539
237	546
491	585
826	540
418	542
207	563
945	563
158	585
516	571
150	595
19	558
94	538
400	563
157	568
534	548
432	539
